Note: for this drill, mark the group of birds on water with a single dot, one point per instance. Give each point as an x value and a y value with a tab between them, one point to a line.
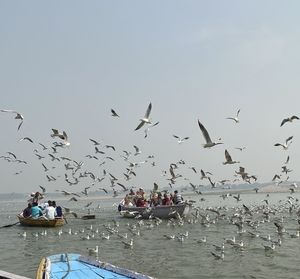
246	219
259	228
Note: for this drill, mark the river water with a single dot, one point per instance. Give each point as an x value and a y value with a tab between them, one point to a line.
155	255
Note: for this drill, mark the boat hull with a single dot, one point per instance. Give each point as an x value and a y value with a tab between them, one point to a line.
40	222
162	211
81	267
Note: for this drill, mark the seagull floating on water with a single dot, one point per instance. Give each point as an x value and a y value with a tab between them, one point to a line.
128	244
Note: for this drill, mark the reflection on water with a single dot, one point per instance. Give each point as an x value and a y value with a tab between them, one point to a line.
154	254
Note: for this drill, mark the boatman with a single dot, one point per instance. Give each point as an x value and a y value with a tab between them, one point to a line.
177	198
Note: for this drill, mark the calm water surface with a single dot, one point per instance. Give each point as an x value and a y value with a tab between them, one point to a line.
155	255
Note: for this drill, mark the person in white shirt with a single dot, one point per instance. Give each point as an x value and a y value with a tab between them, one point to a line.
50	211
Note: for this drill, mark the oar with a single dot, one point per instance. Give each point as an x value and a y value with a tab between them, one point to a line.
65	219
10	225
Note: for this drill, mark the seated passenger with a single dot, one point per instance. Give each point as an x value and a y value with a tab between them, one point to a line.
159	198
141	202
155	200
127	201
167	200
140	192
27	211
58	210
50	211
36	211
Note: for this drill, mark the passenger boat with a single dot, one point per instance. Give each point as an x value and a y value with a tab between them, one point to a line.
161	211
41	222
71	266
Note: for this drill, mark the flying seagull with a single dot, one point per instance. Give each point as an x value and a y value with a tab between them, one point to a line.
179	139
18	116
146	118
62	136
240	148
148	128
235	119
94	142
113	113
43	189
26	138
228	159
208	143
289	119
137	150
12	154
287	143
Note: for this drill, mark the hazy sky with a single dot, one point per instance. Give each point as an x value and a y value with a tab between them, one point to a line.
65	64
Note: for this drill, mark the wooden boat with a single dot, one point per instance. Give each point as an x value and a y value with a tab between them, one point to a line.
161	211
80	267
41	222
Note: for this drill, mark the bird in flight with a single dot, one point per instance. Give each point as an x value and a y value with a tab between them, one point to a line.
94	142
209	142
180	140
26	138
146	118
228	159
236	118
62	136
285	145
240	148
18	116
113	113
137	150
289	119
148	128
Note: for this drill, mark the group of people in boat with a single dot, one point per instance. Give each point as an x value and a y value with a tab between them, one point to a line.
37	209
139	198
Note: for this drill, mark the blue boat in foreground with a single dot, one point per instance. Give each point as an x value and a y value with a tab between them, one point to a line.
72	266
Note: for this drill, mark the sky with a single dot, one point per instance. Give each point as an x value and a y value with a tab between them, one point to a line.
66	64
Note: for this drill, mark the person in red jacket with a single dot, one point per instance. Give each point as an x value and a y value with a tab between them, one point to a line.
167	200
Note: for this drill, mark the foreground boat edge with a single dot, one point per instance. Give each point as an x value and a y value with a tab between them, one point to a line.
43	270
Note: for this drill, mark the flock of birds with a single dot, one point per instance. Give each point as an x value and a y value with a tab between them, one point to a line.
74	169
248	220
